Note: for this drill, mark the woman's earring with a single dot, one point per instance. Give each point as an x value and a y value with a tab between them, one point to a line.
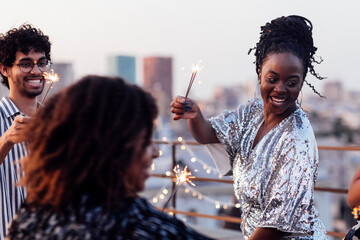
257	91
297	100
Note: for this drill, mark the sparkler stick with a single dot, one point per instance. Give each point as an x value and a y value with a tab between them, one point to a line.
180	177
195	69
172	195
51	77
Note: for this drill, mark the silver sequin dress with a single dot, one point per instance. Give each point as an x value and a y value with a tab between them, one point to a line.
275	181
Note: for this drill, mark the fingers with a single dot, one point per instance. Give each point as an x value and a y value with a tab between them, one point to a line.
180	99
16	133
21	119
181	102
178	116
183	108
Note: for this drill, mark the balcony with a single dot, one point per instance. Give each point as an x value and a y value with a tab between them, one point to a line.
209	206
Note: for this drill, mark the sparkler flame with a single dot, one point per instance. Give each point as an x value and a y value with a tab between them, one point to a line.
183	176
356	212
196	68
52	77
180	177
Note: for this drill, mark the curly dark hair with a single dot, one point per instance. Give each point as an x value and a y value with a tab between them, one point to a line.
83	142
24	39
288	34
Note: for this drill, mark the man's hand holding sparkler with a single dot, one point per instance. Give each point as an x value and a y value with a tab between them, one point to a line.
13	135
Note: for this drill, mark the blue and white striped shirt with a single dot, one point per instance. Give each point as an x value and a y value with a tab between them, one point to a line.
11	195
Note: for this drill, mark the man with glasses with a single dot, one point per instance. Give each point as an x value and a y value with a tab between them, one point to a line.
24	56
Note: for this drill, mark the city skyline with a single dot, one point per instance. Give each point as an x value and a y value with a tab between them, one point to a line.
122	66
85	33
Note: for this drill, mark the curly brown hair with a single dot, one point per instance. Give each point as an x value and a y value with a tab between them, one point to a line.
83	141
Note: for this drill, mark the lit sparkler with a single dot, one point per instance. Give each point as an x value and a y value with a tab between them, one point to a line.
356	212
51	77
180	177
195	69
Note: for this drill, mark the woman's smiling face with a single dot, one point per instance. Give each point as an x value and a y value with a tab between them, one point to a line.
281	79
139	170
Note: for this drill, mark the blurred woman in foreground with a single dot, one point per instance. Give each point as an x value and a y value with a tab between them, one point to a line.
89	156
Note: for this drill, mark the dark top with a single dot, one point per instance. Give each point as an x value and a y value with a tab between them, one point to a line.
134	218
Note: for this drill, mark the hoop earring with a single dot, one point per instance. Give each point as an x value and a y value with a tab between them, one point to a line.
301	98
257	91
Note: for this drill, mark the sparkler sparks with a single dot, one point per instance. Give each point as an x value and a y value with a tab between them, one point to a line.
183	176
356	212
195	69
51	77
180	177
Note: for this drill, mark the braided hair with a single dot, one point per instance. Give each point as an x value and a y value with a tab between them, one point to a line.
84	140
288	34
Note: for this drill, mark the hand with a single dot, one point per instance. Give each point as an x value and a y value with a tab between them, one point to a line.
183	108
15	133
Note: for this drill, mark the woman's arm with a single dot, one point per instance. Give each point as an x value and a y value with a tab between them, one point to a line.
199	127
266	233
354	190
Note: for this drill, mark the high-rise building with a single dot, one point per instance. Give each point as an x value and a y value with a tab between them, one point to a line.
158	81
66	77
122	66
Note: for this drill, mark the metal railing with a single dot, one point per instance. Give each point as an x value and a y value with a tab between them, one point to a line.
173	145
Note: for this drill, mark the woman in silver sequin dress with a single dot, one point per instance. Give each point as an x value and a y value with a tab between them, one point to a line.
269	142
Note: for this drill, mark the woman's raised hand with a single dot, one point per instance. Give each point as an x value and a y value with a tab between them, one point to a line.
184	108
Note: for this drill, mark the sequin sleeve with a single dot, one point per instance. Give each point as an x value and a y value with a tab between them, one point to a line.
229	125
288	201
227	130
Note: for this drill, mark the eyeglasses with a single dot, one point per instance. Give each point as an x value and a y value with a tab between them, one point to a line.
27	65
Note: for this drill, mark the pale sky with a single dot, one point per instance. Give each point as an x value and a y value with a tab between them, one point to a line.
217	32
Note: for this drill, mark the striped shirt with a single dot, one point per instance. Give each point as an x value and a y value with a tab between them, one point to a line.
11	195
